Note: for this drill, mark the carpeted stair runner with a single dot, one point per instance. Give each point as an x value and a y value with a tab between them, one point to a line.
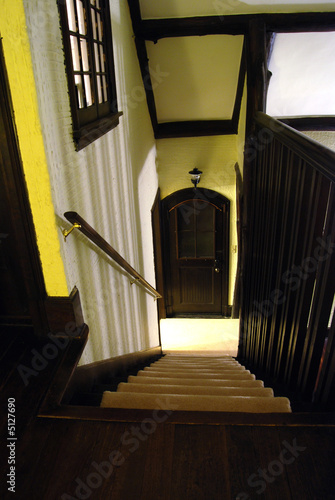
195	383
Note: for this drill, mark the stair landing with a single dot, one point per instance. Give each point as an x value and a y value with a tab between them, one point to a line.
200	335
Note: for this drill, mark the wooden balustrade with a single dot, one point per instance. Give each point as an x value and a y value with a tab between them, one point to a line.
288	271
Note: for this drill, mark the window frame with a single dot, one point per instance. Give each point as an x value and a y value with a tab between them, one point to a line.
91	122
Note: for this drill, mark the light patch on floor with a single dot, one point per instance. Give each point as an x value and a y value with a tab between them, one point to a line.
204	335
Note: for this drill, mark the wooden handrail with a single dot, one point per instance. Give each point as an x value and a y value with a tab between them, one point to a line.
317	155
92	235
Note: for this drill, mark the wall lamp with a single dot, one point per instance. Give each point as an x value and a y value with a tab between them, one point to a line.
195	176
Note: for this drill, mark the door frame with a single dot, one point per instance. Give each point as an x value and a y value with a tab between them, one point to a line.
156	222
167	204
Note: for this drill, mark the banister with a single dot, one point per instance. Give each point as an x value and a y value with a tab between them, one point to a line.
96	238
320	157
289	233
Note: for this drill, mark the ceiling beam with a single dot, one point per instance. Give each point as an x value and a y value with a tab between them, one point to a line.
240	87
310	122
196	128
146	77
155	29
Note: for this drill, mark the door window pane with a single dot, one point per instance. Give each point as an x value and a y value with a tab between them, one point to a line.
196	230
186	244
205	245
205	215
186	217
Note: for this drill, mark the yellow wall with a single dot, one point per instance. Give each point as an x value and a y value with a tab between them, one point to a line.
214	155
22	86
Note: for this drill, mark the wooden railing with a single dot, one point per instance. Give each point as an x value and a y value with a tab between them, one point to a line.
287	318
80	223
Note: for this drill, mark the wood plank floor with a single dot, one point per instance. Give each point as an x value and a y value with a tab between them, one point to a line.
73	459
148	455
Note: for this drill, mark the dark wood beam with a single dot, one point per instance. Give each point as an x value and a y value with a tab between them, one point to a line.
310	122
135	14
154	29
300	22
195	128
239	90
144	66
256	69
192	26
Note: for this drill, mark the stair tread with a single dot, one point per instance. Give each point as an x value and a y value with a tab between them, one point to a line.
194	381
182	402
197	355
192	366
226	376
179	364
195	369
207	361
200	390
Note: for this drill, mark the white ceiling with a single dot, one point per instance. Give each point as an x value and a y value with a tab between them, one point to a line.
151	9
200	76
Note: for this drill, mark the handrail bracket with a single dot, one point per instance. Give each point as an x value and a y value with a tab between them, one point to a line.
66	232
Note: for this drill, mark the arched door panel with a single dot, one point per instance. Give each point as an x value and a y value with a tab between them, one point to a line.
196	243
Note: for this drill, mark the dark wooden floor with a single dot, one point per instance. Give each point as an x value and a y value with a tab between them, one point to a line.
63	459
71	458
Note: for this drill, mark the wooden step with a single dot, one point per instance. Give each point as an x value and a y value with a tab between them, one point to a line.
193	357
199	373
194	368
196	381
179	364
196	389
198	361
225	376
182	402
186	364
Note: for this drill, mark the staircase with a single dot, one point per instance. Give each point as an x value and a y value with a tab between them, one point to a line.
193	382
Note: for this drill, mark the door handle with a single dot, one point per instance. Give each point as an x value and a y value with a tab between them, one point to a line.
216	266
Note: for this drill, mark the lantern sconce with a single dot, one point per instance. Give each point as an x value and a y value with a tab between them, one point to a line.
195	176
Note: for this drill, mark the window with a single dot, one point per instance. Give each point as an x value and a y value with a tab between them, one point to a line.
302	82
89	62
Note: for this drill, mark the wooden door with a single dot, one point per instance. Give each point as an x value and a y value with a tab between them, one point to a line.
196	240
